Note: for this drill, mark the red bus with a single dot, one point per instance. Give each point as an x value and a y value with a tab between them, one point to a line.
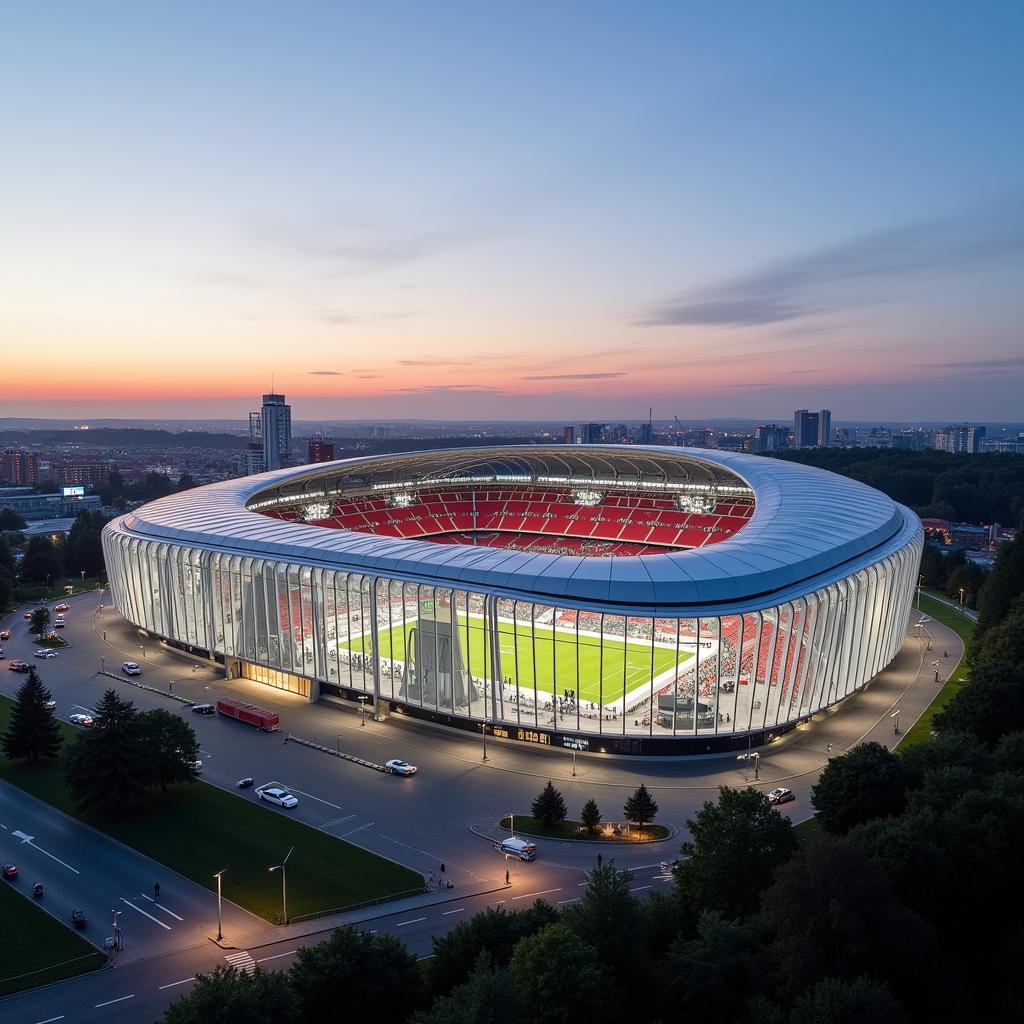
268	721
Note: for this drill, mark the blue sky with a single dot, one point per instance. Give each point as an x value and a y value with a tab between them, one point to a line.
544	210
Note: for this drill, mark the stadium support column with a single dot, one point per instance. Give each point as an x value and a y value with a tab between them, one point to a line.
374	647
491	618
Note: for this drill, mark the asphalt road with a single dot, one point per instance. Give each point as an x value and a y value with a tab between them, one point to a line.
448	811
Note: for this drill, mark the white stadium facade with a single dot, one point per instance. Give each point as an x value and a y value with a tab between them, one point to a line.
620	599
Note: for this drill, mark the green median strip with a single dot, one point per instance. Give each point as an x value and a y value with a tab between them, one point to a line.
198	829
39	949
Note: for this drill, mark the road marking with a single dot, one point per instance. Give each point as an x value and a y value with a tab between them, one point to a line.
335	821
184	981
639	887
498	904
276	956
355	830
429	956
302	792
110	1002
50	1020
160	906
155	920
583	883
527	895
415	920
18	834
573	900
242	961
459	911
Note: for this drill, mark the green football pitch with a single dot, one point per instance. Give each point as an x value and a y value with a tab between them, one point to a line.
551	658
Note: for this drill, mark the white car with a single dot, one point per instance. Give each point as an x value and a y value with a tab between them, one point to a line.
78	719
131	668
396	767
197	765
46	654
281	797
50	705
59	623
780	796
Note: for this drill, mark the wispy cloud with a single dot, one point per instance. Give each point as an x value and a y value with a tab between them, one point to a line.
848	273
450	389
982	364
340	318
578	376
436	361
324	373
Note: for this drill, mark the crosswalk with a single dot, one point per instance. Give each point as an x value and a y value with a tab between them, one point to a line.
242	961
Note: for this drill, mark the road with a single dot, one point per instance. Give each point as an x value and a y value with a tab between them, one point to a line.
448	812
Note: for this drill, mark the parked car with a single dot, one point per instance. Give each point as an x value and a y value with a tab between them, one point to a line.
17	666
397	767
780	796
246	782
5	634
197	765
281	797
61	607
50	705
203	709
46	654
78	918
131	668
521	848
27	616
79	719
1	652
9	871
59	622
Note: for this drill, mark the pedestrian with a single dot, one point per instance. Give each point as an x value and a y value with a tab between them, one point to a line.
156	891
442	867
936	675
430	879
828	749
599	860
508	880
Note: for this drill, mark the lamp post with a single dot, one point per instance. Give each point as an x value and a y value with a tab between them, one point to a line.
220	931
920	583
483	734
961	598
895	716
142	650
362	710
283	868
512	823
756	758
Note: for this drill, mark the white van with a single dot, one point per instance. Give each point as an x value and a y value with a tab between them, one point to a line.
520	848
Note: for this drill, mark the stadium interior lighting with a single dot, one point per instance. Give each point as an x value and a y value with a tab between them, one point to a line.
316	510
704	503
587	498
403	499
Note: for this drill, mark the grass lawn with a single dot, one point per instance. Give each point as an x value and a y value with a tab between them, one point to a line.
964	628
807	830
45	950
39	592
199	829
551	657
529	826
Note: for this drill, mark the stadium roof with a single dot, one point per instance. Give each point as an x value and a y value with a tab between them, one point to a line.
808	528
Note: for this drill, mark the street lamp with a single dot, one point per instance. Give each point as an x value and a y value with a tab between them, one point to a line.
961	597
512	823
756	758
283	868
483	733
220	931
920	583
362	710
103	664
142	650
895	716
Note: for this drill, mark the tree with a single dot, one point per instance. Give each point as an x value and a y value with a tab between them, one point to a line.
1003	587
32	732
374	977
228	995
40	620
1004	641
557	977
186	482
969	578
83	549
486	997
6	589
105	766
42	562
495	929
590	816
641	807
831	912
170	748
737	846
867	782
548	807
11	521
834	1001
988	706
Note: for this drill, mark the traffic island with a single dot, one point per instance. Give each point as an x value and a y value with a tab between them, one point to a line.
576	831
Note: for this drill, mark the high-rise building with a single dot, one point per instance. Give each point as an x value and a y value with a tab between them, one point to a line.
964	439
769	437
825	428
320	449
568	434
591	433
19	468
277	432
805	429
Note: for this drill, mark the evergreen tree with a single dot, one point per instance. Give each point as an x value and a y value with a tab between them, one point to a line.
590	816
641	807
867	782
40	620
549	806
32	732
105	767
170	748
83	548
42	562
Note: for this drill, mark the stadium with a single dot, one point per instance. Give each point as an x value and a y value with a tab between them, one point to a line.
619	599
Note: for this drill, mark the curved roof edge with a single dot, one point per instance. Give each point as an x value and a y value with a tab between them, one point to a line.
809	527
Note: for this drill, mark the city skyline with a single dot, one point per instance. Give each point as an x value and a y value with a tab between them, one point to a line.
462	213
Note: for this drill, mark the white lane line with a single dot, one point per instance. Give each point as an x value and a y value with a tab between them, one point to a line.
276	956
155	920
110	1002
639	887
459	911
335	821
498	904
50	1020
26	839
527	895
160	906
352	832
575	899
429	956
184	981
415	920
302	792
583	883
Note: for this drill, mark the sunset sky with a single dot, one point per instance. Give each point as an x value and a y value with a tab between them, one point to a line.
550	210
